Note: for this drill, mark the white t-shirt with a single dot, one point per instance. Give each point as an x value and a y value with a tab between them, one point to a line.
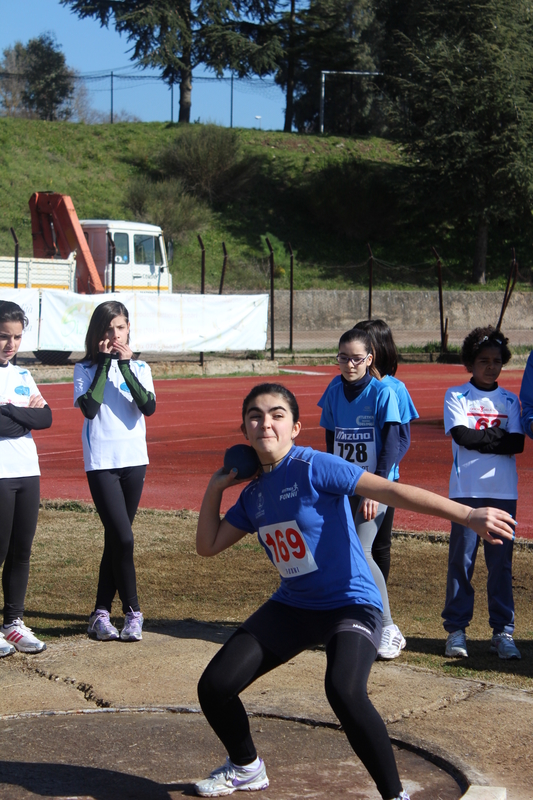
477	474
18	457
116	437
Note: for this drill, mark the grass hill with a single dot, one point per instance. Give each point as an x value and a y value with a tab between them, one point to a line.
328	196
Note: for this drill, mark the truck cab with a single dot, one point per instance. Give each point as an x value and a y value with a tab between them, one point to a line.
140	257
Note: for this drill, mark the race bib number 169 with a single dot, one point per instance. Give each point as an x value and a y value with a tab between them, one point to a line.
288	548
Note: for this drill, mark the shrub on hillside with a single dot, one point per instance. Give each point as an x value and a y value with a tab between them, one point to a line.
353	199
209	162
166	203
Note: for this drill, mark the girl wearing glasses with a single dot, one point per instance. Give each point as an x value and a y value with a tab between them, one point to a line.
386	363
362	422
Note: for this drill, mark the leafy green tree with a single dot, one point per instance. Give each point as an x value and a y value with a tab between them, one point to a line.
35	80
460	74
178	35
12	80
48	82
333	35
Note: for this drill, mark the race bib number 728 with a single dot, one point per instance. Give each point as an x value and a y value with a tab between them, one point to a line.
288	548
358	446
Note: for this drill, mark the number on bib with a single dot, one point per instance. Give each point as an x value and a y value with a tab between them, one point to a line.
288	549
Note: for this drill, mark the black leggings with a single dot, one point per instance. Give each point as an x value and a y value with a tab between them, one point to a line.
116	494
19	504
349	659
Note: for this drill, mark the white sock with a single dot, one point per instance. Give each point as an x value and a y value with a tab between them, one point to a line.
251	767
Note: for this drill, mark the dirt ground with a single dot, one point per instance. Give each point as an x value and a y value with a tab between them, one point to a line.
482	729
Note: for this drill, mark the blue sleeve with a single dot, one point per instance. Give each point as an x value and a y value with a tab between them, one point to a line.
334	475
387	407
526	397
237	516
326	418
407	408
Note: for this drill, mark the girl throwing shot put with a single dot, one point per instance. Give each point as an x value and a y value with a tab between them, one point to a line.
114	394
22	409
298	505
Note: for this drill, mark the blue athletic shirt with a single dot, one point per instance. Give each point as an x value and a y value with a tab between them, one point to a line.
358	424
302	517
407	411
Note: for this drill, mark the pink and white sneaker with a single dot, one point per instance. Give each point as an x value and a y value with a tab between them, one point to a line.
22	638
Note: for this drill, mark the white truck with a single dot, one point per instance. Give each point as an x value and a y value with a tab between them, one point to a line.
78	256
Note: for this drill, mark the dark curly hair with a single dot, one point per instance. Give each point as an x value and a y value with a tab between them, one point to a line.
479	339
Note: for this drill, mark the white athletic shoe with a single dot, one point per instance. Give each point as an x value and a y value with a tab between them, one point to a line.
402	796
22	638
101	627
230	778
6	649
133	627
392	643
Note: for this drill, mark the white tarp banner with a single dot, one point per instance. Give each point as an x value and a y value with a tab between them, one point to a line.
28	300
162	323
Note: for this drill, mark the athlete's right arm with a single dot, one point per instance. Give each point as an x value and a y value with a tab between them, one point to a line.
93	398
213	535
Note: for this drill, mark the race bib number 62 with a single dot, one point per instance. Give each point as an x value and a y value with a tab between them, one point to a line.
288	548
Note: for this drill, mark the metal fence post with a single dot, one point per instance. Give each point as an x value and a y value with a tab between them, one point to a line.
291	297
202	283
113	259
224	263
16	275
370	280
443	324
271	259
513	275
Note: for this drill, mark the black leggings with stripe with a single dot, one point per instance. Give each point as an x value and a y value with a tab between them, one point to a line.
350	656
116	494
19	504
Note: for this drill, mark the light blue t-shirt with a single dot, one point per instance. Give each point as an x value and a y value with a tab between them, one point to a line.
302	516
358	424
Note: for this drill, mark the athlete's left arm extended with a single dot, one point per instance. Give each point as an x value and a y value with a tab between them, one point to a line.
145	400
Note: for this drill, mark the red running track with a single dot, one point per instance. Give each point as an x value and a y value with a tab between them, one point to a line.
197	419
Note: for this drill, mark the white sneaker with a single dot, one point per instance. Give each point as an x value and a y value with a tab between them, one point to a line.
6	649
101	627
133	627
456	645
230	778
392	643
22	638
402	796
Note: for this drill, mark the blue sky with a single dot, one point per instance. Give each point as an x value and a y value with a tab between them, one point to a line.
88	48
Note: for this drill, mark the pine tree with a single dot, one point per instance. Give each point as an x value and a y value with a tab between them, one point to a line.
461	77
178	35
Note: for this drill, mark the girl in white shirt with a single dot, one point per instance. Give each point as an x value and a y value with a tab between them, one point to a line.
114	394
22	409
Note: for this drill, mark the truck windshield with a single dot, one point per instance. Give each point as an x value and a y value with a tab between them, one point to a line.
122	248
147	250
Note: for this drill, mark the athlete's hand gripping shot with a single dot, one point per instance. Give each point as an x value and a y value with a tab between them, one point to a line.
298	506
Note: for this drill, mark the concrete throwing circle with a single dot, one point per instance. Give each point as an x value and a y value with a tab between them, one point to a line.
143	755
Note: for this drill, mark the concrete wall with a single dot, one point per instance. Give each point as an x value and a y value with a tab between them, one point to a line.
318	309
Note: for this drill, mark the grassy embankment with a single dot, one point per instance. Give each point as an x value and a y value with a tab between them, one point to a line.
327	196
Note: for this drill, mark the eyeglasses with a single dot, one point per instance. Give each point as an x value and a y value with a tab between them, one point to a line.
342	359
